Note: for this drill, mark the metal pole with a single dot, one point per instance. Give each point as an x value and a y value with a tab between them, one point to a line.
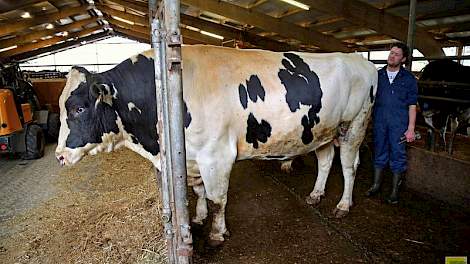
411	32
162	116
177	140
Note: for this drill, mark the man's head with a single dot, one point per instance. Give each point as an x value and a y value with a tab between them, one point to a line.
398	54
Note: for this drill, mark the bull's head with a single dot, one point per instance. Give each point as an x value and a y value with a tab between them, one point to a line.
88	122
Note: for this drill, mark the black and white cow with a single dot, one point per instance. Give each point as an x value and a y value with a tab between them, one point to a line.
438	114
239	104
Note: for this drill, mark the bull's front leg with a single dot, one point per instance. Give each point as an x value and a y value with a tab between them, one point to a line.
325	156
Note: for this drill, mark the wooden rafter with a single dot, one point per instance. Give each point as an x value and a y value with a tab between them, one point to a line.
269	23
142	20
200	37
61	46
232	33
8	5
358	12
47	42
137	28
16	26
131	5
44	33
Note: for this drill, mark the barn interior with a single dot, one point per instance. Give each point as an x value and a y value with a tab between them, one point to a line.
103	211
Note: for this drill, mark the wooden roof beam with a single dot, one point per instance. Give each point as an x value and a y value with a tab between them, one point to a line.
205	25
44	33
131	5
61	46
142	20
15	26
136	28
47	42
8	5
269	23
368	16
233	33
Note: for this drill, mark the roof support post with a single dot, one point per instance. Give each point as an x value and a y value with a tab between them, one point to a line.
167	40
411	33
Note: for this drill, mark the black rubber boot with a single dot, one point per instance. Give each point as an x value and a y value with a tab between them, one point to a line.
396	182
378	175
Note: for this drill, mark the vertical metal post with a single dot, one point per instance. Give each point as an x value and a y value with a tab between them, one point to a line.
177	139
166	40
411	32
459	53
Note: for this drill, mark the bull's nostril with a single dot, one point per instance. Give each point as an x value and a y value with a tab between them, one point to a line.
61	158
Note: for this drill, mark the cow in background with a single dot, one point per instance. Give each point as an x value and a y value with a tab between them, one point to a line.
453	113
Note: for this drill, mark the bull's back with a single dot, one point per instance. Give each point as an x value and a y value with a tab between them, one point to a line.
270	105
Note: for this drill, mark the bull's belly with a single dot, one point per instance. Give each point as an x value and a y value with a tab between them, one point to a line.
285	145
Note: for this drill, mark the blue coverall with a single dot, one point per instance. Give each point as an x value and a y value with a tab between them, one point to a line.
391	118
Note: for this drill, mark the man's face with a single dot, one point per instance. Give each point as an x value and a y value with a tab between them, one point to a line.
395	58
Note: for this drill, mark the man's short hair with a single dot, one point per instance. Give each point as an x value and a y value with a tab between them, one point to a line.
404	48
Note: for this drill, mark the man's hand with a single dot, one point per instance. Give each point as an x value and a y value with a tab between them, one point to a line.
410	135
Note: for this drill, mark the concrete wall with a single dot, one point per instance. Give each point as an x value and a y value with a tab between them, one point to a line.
440	176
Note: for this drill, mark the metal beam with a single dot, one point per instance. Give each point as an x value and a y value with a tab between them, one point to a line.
61	46
16	26
368	16
47	42
44	33
269	23
411	33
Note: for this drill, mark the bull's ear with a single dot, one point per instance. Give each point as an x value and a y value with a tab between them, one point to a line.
97	89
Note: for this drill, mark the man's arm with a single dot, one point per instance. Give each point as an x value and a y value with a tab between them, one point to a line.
410	132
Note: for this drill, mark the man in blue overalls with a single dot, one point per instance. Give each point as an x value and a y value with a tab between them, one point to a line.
394	118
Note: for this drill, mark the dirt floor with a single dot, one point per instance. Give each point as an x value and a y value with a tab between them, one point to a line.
106	210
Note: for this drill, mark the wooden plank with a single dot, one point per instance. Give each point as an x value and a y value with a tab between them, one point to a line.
131	5
47	42
43	33
142	20
17	26
360	13
9	5
269	23
61	46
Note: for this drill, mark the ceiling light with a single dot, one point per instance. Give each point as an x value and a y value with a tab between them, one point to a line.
211	34
26	15
193	28
297	4
50	26
8	48
124	20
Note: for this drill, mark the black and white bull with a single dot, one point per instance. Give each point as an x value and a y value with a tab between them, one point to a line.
239	104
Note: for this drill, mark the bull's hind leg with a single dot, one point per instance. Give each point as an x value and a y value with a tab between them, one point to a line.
349	154
215	168
195	180
325	156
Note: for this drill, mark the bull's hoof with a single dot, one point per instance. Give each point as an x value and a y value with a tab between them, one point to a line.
287	169
313	200
338	213
227	234
215	243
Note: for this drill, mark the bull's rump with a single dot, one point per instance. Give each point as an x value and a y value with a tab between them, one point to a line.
267	123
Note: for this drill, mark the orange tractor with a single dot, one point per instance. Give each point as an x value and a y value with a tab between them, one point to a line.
23	123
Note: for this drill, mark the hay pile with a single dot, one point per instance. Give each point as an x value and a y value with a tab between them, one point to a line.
107	211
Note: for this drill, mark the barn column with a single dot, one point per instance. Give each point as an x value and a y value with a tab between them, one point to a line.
166	41
411	32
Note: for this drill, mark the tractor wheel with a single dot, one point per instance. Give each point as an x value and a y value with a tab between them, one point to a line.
53	126
34	142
